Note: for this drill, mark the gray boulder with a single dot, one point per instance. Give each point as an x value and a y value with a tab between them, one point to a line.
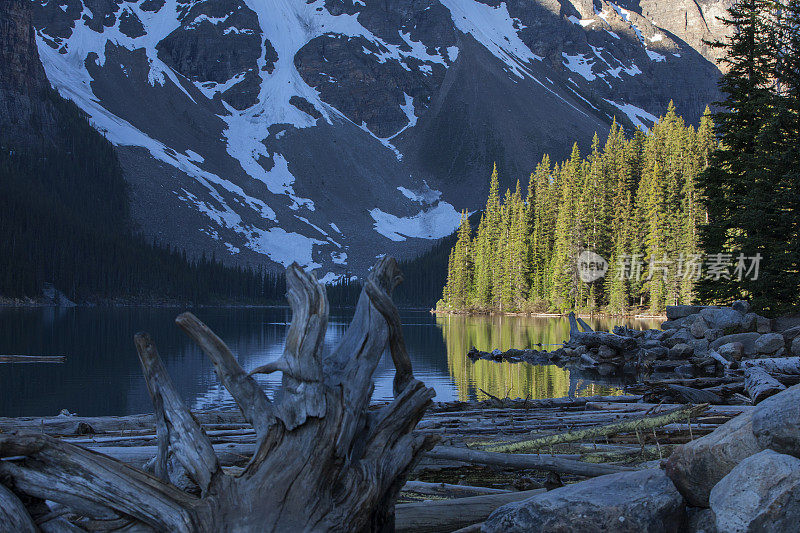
763	324
681	351
796	346
769	343
712	334
790	334
700	520
743	306
698	328
724	318
776	422
675	312
695	467
748	341
640	501
731	351
749	322
762	493
699	346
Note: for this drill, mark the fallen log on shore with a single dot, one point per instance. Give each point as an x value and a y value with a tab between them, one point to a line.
760	385
449	515
32	358
549	463
630	426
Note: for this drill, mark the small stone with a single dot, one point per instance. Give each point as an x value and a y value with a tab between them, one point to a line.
731	351
743	306
769	343
681	351
685	370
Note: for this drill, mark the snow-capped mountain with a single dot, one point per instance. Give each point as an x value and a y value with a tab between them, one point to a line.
330	131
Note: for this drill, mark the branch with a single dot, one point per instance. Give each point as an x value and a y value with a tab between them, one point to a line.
252	401
90	482
626	426
309	304
13	515
550	463
380	298
175	424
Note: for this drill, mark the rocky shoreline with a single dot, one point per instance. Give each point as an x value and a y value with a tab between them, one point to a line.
723	351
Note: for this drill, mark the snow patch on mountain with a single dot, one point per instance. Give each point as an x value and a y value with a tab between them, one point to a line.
579	64
635	114
435	223
495	29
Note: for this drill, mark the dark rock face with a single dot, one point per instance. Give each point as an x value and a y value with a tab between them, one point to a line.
217	39
236	110
643	501
22	78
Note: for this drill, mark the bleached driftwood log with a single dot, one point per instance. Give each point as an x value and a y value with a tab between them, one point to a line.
322	461
760	385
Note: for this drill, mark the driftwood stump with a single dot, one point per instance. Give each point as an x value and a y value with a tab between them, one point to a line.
323	460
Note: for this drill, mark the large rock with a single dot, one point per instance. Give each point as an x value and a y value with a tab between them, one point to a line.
695	467
743	306
790	334
763	324
641	501
724	318
761	494
748	341
796	346
698	328
681	351
700	520
675	312
769	343
776	422
731	351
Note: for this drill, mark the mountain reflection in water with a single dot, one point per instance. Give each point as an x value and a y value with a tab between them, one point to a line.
102	376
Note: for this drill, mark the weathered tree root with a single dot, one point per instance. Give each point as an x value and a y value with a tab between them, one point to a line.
323	461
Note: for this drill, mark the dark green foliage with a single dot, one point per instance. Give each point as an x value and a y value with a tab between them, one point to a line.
631	200
750	187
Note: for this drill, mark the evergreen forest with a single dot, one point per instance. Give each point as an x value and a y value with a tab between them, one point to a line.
631	200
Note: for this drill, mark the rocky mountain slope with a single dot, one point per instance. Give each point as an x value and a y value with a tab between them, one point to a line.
329	131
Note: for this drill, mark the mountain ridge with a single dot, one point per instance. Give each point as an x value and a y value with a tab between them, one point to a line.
327	132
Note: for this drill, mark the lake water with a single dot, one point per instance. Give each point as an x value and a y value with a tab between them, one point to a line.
101	375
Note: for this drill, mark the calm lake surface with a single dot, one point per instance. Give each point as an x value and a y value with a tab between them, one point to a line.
102	376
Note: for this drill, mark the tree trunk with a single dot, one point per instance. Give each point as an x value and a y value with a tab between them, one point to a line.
322	461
